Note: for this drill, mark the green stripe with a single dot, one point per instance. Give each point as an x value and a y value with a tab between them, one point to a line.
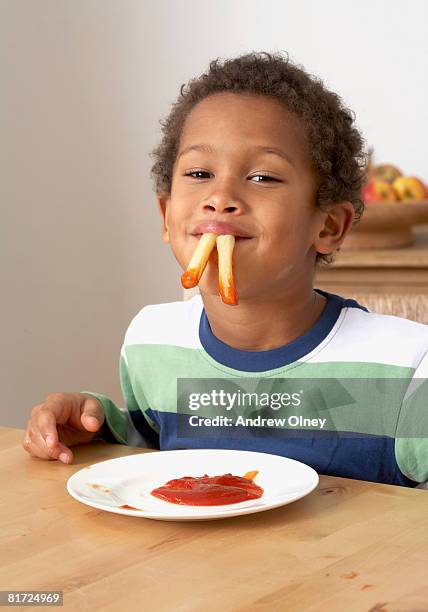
411	445
158	367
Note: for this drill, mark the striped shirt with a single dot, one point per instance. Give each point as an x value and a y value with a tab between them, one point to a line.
384	440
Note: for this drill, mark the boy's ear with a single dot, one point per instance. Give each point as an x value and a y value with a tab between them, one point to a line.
163	209
338	222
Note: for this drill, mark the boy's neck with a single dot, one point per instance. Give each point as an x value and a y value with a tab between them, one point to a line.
263	324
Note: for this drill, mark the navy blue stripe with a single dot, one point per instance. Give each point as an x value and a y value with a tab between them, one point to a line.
105	434
346	302
150	436
260	361
344	454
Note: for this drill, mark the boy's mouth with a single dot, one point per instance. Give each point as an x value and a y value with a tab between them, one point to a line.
237	238
219	228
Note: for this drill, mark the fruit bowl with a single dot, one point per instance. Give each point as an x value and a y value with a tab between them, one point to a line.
386	225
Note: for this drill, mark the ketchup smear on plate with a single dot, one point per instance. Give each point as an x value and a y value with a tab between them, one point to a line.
209	490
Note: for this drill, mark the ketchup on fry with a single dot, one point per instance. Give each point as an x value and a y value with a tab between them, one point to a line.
208	490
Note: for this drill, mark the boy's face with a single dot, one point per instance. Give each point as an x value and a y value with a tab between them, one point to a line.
228	185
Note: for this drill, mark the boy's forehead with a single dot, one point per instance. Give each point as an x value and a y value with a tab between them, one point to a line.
248	118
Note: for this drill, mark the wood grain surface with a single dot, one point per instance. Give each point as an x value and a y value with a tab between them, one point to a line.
390	271
348	546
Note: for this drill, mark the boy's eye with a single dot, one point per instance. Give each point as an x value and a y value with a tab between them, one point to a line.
196	172
263	178
266	178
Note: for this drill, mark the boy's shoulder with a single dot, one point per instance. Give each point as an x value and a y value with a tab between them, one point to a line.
173	323
364	335
358	334
380	324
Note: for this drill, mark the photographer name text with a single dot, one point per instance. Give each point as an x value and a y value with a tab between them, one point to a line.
240	421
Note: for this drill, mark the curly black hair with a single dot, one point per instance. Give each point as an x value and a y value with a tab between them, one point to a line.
336	147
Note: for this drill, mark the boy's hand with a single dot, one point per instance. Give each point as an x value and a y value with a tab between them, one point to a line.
60	421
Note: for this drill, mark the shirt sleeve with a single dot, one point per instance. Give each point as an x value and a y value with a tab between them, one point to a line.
411	440
129	425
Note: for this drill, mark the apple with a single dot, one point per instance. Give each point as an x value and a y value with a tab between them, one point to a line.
385	172
378	191
409	188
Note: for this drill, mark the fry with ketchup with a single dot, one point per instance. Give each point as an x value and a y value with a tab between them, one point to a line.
216	235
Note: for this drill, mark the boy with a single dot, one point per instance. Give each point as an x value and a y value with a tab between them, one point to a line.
257	149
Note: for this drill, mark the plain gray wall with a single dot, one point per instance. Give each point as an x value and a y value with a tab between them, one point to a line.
84	84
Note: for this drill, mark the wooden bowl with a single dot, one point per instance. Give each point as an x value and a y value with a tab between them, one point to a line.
386	225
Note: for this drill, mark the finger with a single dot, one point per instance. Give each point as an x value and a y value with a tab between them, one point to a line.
32	446
32	449
59	451
191	277
45	436
26	441
46	424
92	416
225	245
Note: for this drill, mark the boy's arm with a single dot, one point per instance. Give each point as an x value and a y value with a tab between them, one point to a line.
411	441
127	426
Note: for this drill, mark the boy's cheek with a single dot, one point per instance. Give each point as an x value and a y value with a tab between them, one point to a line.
182	252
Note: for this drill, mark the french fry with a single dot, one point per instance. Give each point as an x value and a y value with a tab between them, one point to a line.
251	475
225	245
191	277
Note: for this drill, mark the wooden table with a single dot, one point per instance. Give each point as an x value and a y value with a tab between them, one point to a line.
348	546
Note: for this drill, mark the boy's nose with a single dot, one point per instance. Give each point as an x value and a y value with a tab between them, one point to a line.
222	204
220	208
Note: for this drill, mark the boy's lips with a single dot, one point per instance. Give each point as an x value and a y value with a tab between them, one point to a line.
219	227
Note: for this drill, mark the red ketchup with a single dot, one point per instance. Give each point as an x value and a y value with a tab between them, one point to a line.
209	490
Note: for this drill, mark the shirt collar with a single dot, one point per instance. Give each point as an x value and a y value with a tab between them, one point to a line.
259	361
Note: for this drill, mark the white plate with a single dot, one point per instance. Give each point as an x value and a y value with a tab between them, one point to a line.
129	480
